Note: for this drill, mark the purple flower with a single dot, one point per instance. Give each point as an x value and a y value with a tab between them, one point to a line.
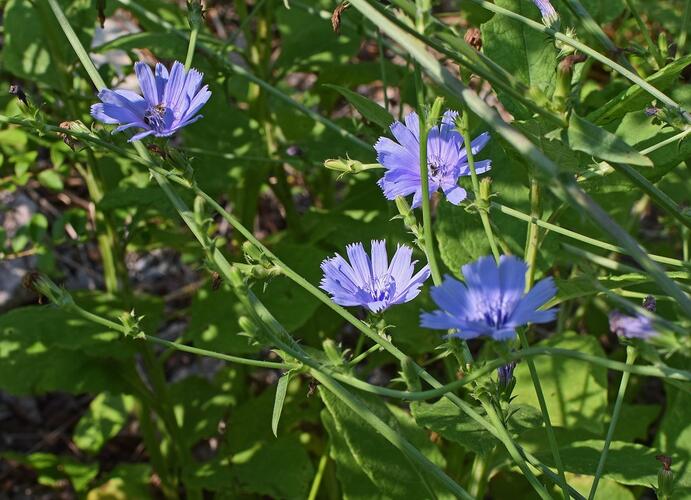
492	301
446	159
374	284
505	374
170	102
638	326
549	15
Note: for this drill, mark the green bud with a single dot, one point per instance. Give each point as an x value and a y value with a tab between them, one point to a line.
332	352
131	322
195	14
403	206
663	45
412	380
246	325
57	295
345	165
485	193
252	253
435	112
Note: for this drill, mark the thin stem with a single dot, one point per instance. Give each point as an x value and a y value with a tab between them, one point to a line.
631	354
111	325
577	236
190	48
591	25
681	44
505	438
484	215
533	237
670	140
362	356
652	46
424	177
554	447
317	481
478	475
382	67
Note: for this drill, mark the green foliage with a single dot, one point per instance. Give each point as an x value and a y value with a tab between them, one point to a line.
106	416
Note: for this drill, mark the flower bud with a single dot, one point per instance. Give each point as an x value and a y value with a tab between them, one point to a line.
195	14
665	478
332	352
344	165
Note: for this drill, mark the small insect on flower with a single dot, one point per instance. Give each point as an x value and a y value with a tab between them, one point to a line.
374	284
171	101
446	159
492	302
549	14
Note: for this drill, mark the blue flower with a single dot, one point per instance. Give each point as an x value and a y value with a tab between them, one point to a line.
638	326
374	284
492	301
549	15
170	101
446	159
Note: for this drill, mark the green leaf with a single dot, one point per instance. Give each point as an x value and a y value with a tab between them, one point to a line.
279	469
51	179
589	138
52	469
378	460
281	390
575	392
106	416
125	481
369	109
354	484
674	438
527	54
445	418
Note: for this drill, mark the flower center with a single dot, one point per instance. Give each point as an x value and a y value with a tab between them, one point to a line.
155	116
381	288
494	314
437	169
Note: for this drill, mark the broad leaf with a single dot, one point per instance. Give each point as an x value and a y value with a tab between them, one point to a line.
106	416
367	108
589	138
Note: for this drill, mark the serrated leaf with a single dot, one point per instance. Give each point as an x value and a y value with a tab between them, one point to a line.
367	108
589	138
279	400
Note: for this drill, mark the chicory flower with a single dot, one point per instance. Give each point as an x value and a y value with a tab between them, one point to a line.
446	159
492	302
374	284
170	101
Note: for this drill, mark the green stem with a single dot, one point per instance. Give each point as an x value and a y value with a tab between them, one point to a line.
505	438
484	214
533	237
670	140
554	447
382	68
577	236
654	50
181	347
316	482
681	44
362	356
424	178
631	354
479	474
591	25
190	48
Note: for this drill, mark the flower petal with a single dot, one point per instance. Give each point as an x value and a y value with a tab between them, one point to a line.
147	83
360	263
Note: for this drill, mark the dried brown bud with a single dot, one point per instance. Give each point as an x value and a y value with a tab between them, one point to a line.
473	37
566	65
336	17
216	281
665	461
71	142
155	148
102	12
